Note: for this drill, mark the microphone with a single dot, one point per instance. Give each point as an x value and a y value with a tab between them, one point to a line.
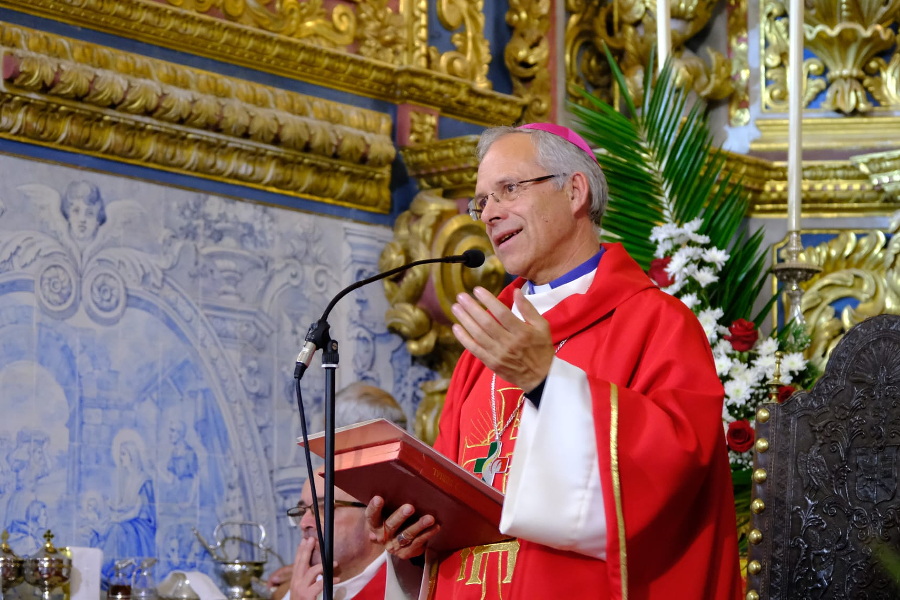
317	336
470	258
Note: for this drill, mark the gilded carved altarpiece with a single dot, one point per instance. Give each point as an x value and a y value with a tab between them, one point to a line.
175	118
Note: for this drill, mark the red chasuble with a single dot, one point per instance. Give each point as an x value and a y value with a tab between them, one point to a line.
374	590
657	405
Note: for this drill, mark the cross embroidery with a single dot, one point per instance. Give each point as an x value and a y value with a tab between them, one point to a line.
492	464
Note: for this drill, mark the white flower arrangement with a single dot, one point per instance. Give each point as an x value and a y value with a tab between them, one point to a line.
687	267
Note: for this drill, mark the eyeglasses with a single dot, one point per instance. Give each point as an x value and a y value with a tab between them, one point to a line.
295	513
507	193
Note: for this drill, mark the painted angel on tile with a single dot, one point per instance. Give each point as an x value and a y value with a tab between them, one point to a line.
87	251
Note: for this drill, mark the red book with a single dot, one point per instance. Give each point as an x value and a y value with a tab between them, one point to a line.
377	458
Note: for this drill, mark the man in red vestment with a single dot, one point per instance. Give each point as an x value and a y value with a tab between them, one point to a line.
587	395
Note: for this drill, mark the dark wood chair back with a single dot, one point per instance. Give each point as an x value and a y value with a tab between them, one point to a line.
826	504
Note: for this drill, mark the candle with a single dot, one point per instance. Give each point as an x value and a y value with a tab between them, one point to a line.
795	113
663	31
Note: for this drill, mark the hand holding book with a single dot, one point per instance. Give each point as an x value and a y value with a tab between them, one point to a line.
377	458
400	538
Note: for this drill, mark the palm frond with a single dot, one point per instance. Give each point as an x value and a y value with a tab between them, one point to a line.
662	167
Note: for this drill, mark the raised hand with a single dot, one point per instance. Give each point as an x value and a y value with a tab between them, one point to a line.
306	579
518	351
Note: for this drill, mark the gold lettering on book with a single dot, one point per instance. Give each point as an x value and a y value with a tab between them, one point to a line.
478	566
443	477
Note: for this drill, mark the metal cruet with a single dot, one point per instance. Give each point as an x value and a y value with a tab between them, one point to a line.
48	568
11	568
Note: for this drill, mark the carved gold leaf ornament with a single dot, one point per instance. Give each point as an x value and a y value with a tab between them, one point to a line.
420	298
422	128
846	36
191	121
883	170
849	41
307	19
586	67
264	125
302	41
713	81
234	118
456	235
70	81
738	45
472	57
382	32
833	188
527	55
415	13
141	98
32	72
775	54
628	28
446	165
883	81
860	274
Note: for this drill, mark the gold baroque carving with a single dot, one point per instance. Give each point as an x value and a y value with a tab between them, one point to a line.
416	13
883	80
883	170
453	96
190	121
738	46
423	126
586	66
527	56
625	26
219	39
591	25
846	40
829	189
305	20
849	43
775	46
448	165
869	133
382	32
472	56
861	266
420	298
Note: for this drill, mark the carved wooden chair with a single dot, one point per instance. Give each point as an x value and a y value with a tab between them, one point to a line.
826	503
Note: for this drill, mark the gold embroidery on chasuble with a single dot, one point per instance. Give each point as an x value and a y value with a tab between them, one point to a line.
479	440
617	484
490	566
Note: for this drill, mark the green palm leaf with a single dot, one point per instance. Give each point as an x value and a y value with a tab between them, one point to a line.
661	166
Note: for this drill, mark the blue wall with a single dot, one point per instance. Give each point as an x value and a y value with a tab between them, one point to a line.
147	361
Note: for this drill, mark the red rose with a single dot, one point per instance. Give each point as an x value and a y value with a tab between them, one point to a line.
740	436
657	271
743	335
785	392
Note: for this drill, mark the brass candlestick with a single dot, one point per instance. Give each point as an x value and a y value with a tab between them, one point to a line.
792	271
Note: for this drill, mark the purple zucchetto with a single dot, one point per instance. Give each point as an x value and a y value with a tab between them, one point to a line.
563	132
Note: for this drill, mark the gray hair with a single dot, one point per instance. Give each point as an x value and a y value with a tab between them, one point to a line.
557	155
362	402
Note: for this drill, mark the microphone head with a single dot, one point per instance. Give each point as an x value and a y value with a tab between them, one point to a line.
473	258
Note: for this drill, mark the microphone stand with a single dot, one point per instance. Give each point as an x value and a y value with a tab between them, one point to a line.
330	359
318	337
